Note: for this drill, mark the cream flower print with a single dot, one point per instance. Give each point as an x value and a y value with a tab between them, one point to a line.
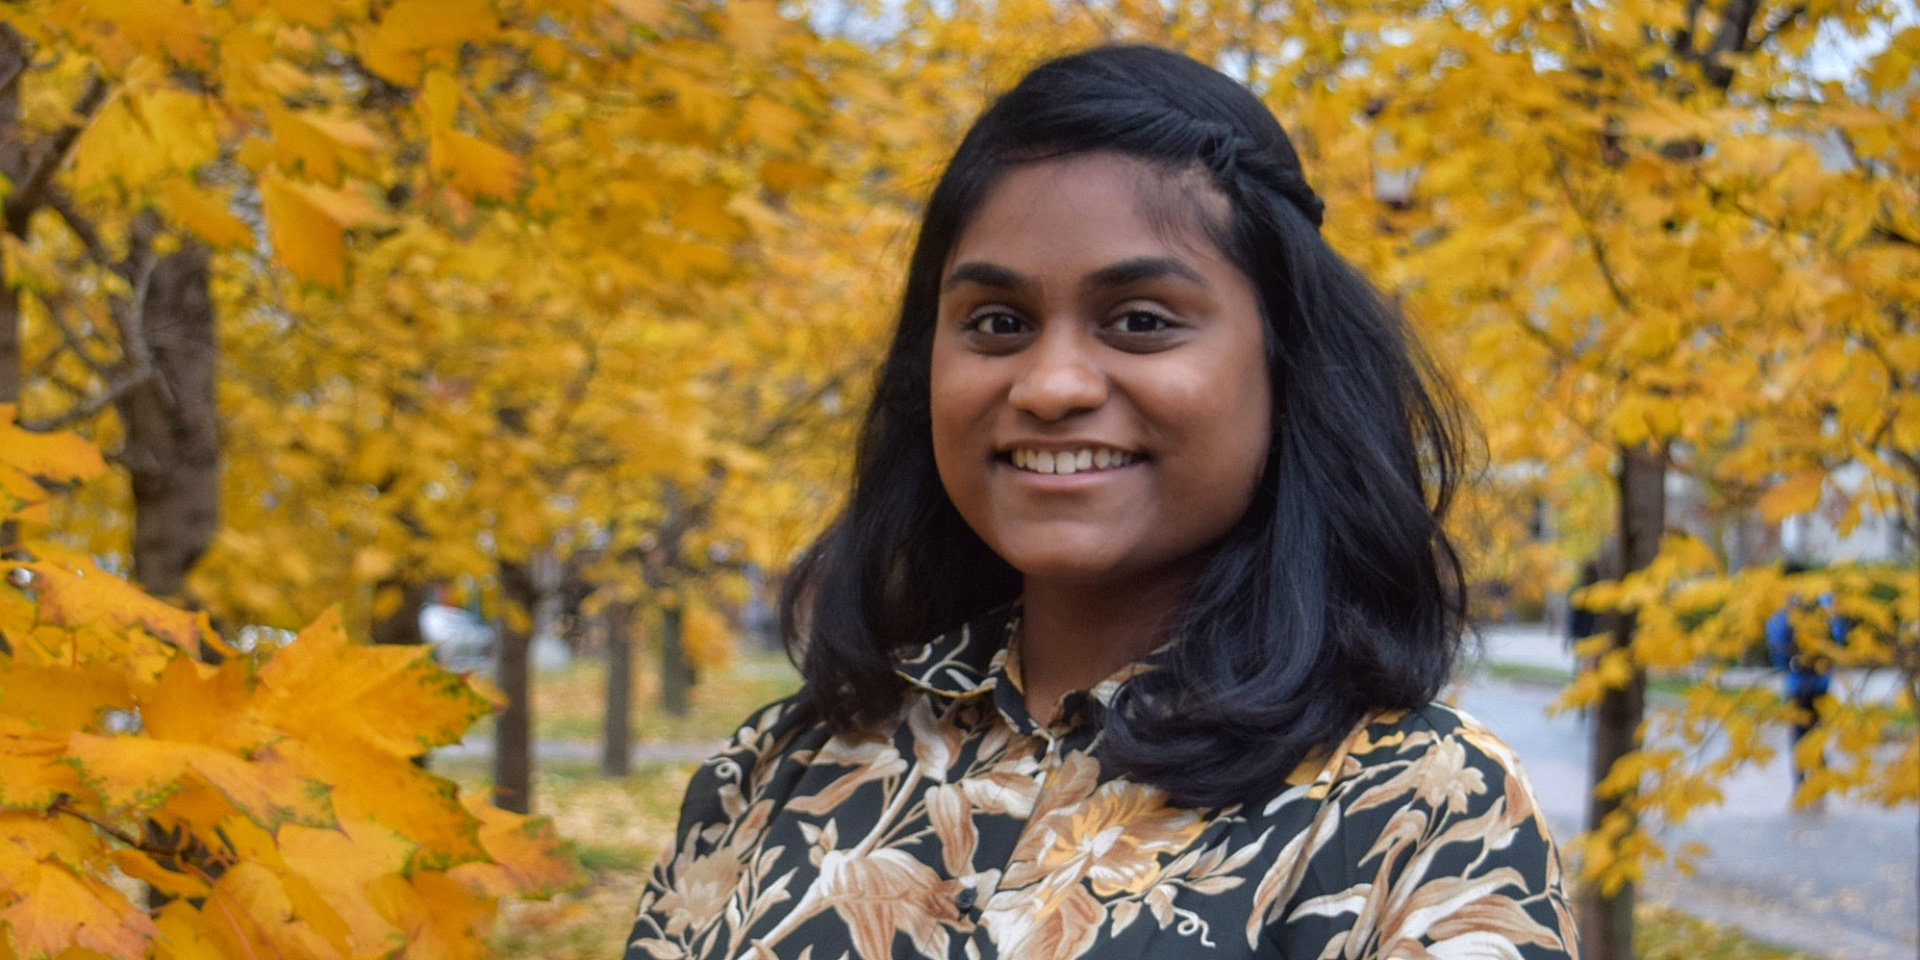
969	832
1117	839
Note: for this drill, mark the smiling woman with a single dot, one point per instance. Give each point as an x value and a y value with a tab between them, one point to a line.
1128	640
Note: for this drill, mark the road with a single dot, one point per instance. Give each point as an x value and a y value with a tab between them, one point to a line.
1836	882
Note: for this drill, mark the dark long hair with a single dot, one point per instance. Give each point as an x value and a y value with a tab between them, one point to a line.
1336	594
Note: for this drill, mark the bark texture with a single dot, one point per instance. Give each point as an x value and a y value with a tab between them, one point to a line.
172	448
1606	920
616	740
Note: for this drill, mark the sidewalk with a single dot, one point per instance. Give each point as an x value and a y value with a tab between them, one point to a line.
1836	882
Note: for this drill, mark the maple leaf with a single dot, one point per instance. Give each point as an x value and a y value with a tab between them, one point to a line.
83	595
525	857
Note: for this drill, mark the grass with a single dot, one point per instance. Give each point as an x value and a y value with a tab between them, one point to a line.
1663	933
1536	675
569	704
617	827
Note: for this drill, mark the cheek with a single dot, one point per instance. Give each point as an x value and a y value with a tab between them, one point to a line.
954	403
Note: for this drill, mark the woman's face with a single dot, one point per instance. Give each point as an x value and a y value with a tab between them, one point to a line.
1101	409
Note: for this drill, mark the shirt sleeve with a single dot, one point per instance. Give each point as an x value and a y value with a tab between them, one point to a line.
682	905
1437	849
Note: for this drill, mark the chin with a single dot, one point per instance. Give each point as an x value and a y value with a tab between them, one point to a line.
1063	566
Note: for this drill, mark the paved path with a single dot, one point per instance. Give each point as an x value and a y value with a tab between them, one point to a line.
1836	882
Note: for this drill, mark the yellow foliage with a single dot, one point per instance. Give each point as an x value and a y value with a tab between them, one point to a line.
273	794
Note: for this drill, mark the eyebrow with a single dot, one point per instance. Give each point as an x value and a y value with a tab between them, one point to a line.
1140	269
1123	273
989	275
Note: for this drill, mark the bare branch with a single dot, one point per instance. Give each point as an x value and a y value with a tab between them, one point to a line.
75	341
30	191
1592	234
138	368
82	227
98	402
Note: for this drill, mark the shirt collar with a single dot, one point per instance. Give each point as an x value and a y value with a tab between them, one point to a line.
966	661
983	657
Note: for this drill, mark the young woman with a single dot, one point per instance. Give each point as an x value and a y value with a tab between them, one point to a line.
1162	480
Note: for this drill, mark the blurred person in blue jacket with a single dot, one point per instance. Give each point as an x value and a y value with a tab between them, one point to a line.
1808	673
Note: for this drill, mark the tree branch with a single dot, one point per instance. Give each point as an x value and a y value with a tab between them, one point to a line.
83	229
1592	234
30	191
132	319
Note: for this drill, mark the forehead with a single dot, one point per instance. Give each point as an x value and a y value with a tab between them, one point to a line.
1096	208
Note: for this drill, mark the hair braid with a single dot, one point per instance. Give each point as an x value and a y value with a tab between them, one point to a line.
1231	156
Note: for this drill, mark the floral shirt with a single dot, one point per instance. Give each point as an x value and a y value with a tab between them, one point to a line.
974	832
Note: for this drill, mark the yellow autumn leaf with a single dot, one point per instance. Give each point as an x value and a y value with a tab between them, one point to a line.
133	772
307	227
527	859
174	883
61	456
343	864
312	13
1797	493
262	917
415	34
322	148
204	215
156	28
473	166
54	908
87	596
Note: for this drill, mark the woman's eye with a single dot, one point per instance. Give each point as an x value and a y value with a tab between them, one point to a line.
996	324
1141	321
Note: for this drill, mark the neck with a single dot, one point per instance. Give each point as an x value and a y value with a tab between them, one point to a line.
1074	635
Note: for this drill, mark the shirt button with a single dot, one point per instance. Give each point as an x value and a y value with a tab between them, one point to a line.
965	899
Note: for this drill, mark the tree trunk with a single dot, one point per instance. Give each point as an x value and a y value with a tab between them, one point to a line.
172	447
1606	921
13	153
401	628
512	728
616	742
676	677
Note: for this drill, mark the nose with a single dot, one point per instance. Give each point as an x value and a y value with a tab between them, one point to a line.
1061	376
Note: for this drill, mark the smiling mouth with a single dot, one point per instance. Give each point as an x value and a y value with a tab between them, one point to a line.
1062	462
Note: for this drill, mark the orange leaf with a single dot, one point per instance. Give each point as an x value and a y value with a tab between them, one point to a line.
88	596
473	166
307	227
1796	494
529	860
58	908
261	917
342	865
203	215
415	34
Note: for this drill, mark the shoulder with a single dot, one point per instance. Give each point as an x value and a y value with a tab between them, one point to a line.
1427	833
719	789
1435	757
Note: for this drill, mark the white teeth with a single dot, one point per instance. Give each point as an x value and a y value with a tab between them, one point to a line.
1068	462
